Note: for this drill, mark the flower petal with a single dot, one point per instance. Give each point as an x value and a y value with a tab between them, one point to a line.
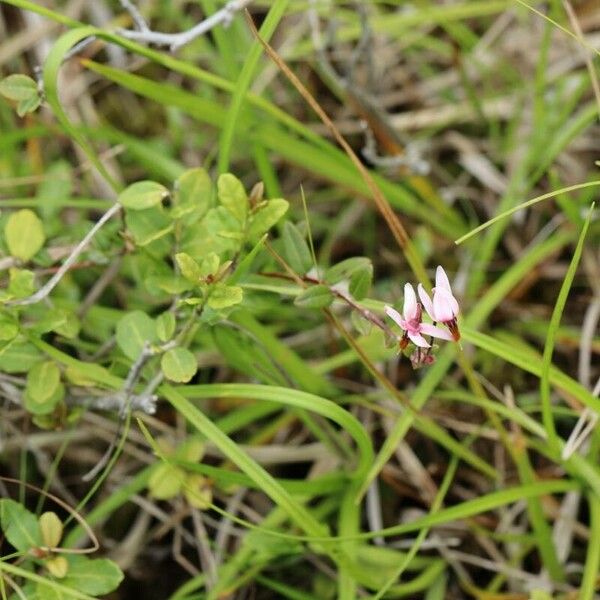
426	301
445	305
393	314
437	332
418	340
410	303
441	279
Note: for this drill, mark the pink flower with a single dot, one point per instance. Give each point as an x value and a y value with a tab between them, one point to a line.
410	321
444	307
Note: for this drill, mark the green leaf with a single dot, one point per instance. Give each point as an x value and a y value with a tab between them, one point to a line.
198	491
189	267
232	196
209	265
217	232
24	234
42	382
266	216
147	226
57	566
53	317
18	87
345	269
317	296
165	326
9	327
192	450
21	283
20	527
19	356
51	529
47	406
28	105
295	249
193	191
142	195
98	576
360	281
133	331
224	296
70	327
179	365
171	284
166	481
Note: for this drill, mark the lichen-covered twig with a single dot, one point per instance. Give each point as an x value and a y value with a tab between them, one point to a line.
174	41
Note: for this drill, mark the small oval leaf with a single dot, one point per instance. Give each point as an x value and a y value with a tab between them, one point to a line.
42	381
179	365
142	195
266	216
133	331
318	296
51	528
165	326
166	481
232	196
295	249
18	87
24	234
224	296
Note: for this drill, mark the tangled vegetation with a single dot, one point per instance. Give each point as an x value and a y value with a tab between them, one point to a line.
299	299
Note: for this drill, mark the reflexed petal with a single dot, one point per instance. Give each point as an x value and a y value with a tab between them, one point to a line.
441	279
418	340
410	302
393	314
452	300
437	332
426	301
445	305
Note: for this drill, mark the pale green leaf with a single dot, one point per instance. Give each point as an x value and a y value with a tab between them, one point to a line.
42	381
28	105
142	195
47	405
51	529
148	225
24	234
166	481
97	576
189	267
232	196
224	296
21	282
133	331
19	356
18	87
20	527
266	216
193	190
179	365
9	327
165	326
